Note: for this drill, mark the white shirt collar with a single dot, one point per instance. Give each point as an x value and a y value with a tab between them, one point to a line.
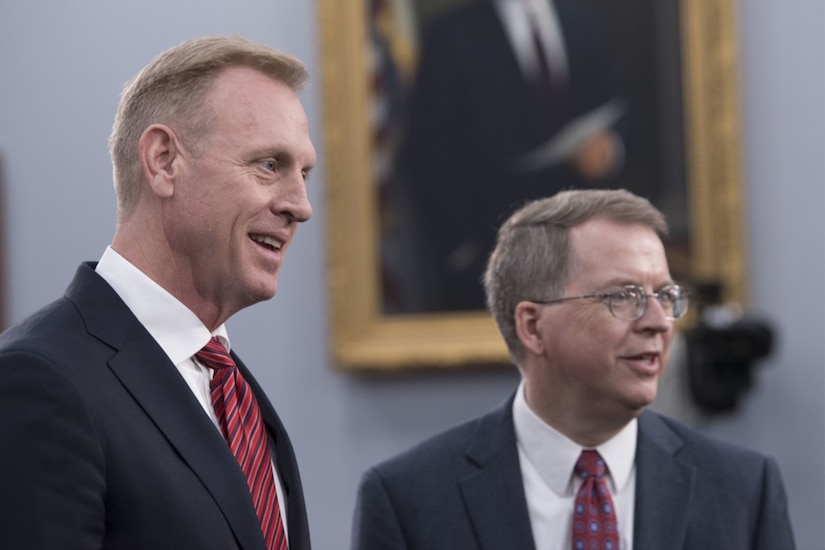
174	327
554	455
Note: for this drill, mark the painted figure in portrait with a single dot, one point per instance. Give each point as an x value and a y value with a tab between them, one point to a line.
481	105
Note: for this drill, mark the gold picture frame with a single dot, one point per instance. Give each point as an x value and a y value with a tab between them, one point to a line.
363	338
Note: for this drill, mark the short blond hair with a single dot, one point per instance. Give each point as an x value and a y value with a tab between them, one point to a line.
532	253
173	88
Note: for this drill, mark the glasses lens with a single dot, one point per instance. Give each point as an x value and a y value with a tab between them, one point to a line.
680	304
674	300
627	304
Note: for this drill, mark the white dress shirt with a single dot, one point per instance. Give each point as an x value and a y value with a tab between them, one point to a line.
175	328
519	17
547	460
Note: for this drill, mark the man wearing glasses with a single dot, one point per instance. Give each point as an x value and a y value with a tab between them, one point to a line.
581	291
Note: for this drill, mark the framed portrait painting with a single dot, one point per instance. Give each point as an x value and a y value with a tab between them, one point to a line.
434	131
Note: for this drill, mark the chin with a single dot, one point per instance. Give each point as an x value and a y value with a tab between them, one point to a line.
263	291
644	401
268	294
641	398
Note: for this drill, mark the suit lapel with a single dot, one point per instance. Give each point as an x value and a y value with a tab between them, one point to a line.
510	83
664	487
155	384
493	489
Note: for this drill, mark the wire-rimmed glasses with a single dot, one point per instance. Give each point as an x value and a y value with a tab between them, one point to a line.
629	303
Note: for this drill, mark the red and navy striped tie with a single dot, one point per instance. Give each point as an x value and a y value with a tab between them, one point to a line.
242	427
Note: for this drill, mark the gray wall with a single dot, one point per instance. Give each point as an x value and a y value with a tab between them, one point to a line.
62	65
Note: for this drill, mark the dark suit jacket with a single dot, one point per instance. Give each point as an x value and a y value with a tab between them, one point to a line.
463	490
472	116
104	445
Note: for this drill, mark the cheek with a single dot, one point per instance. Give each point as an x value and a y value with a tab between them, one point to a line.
668	345
586	336
597	326
195	194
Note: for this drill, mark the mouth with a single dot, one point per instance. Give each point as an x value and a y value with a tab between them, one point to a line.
266	241
644	363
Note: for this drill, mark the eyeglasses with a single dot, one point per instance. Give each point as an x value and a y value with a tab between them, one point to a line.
629	303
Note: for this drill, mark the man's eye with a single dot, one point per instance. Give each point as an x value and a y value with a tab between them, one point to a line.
621	295
270	164
670	294
626	294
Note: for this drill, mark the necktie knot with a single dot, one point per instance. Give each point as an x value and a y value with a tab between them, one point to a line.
214	355
594	519
590	464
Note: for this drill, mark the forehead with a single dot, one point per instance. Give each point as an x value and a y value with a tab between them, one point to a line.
603	251
250	115
236	79
243	97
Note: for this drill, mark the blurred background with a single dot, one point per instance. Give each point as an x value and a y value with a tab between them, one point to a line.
62	66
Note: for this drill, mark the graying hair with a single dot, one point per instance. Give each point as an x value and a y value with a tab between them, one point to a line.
173	89
532	255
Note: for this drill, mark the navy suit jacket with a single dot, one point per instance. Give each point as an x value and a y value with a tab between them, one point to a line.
105	446
463	490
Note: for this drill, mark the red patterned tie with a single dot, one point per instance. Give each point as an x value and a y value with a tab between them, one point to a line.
594	519
242	426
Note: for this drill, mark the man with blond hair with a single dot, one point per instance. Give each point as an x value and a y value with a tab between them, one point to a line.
126	421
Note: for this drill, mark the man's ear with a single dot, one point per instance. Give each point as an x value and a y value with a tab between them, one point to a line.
528	327
159	157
